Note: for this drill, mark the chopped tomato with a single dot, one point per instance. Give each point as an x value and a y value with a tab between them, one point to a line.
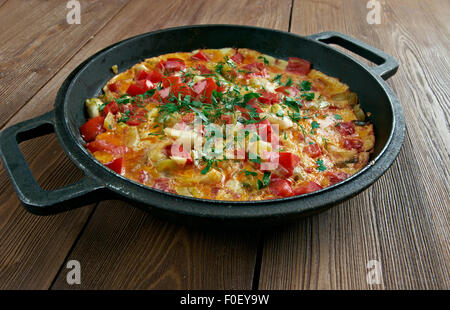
188	118
143	176
168	81
204	88
181	89
308	187
161	95
103	145
111	107
237	57
265	130
336	177
174	64
288	91
92	128
255	66
268	97
203	69
114	87
312	150
181	152
116	165
255	69
200	56
162	184
298	65
139	116
254	104
346	128
226	119
280	187
139	87
349	144
154	76
288	161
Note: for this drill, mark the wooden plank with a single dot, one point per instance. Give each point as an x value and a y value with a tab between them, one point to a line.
126	248
232	256
32	247
392	222
39	42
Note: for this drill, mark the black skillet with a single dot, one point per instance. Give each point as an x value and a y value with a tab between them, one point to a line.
100	183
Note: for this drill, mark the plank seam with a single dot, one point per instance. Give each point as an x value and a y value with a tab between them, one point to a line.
258	261
60	269
2	126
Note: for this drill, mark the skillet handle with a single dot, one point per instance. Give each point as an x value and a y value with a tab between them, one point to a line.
387	65
33	197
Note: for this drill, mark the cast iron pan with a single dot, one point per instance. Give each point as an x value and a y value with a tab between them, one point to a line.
100	183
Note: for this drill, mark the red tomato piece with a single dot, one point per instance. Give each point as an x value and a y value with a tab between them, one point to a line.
139	87
346	128
312	150
349	144
143	176
188	118
203	69
111	107
254	104
174	64
254	67
269	98
154	76
265	130
298	65
204	88
288	161
168	81
181	152
116	165
237	57
226	119
161	95
181	89
102	145
336	177
162	184
200	56
288	91
307	188
138	117
92	128
280	187
114	87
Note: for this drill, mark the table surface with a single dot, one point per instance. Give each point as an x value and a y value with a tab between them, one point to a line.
401	221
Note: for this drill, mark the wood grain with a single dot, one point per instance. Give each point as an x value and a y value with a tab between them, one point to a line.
126	248
40	41
32	248
402	220
239	264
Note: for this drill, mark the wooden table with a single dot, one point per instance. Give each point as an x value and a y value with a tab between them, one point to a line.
402	221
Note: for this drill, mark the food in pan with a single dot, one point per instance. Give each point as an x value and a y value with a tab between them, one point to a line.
228	124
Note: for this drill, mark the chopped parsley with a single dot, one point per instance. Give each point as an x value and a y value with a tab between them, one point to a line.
308	96
320	165
266	62
277	78
265	181
305	86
